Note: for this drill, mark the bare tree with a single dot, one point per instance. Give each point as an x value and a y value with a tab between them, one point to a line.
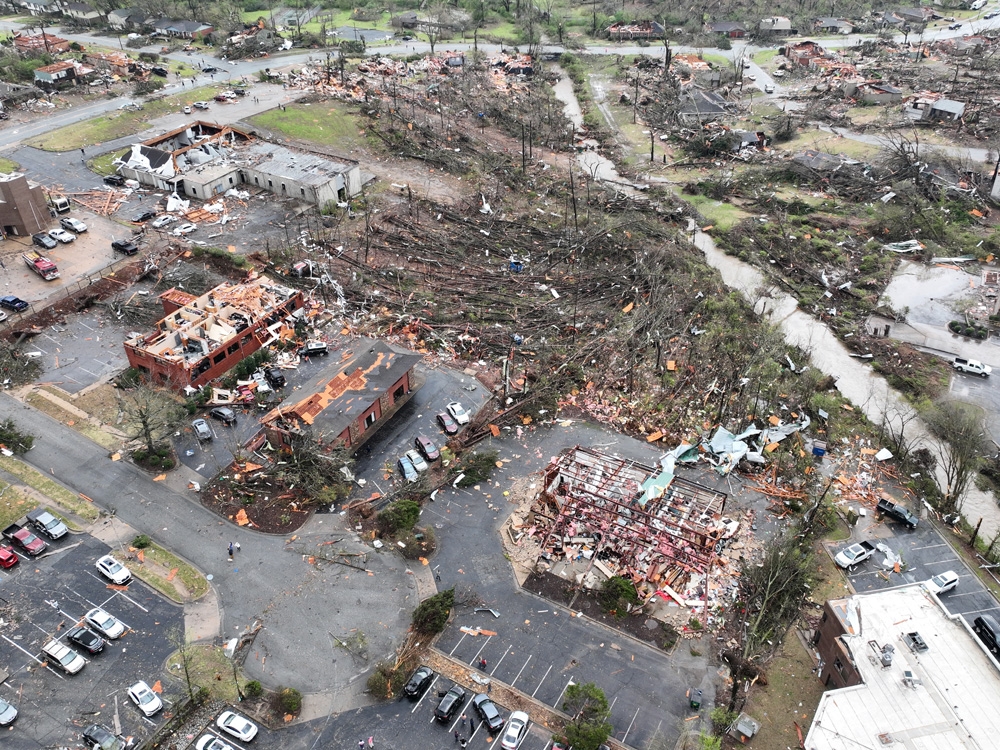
150	415
964	446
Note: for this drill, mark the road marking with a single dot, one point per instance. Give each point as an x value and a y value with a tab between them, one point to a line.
458	718
506	651
978	611
521	670
429	688
563	690
450	653
126	596
32	656
476	657
612	706
952	595
630	726
930	546
542	680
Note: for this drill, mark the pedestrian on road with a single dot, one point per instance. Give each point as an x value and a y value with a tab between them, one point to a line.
371	741
456	736
482	664
83	152
462	742
361	745
464	719
237	546
230	552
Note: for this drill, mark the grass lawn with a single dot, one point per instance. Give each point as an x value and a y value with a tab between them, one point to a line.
7	166
118	123
68	499
103	164
209	668
718	61
765	56
83	426
830	143
719	214
164	571
326	123
13	504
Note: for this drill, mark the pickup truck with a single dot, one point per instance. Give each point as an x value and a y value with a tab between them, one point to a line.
24	539
972	366
901	514
47	524
856	553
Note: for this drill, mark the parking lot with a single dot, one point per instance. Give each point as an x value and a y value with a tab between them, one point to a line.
42	599
265	737
926	554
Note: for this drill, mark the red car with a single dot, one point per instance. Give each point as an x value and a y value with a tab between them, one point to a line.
426	446
449	425
25	540
7	557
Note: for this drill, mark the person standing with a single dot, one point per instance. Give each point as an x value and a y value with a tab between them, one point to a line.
230	552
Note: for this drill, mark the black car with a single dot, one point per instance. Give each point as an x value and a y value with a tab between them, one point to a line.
145	215
418	683
44	241
13	303
275	377
209	69
488	711
452	701
124	246
156	70
99	738
224	414
86	639
114	179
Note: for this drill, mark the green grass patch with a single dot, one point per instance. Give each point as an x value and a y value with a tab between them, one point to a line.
830	143
765	56
719	214
7	166
13	504
327	123
209	668
719	61
58	494
118	123
83	426
156	571
104	164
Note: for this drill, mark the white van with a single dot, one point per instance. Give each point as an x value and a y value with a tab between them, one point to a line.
978	4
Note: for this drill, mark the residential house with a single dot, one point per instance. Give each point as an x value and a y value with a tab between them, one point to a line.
126	18
903	671
873	92
690	68
62	75
31	44
729	29
829	25
775	25
916	15
944	110
637	30
116	63
406	20
892	18
12	94
809	161
23	207
202	338
356	393
83	12
698	106
930	106
803	53
182	29
41	7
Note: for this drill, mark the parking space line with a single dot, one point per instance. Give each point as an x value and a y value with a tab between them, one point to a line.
429	688
612	706
460	712
630	726
930	546
126	596
542	680
32	656
952	595
514	682
950	560
563	690
506	651
451	653
476	657
979	611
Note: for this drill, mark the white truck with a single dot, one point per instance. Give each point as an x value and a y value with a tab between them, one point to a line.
972	366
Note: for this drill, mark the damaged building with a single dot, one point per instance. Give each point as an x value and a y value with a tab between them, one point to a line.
202	160
201	338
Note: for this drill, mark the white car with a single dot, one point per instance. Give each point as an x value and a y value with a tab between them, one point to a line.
768	88
238	726
62	656
187	111
142	696
211	742
458	412
62	235
73	225
943	582
517	727
163	221
201	105
184	229
105	624
417	460
7	713
113	570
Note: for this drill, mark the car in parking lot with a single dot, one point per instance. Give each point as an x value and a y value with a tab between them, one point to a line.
97	737
10	302
211	742
115	180
73	225
201	430
517	727
59	654
145	699
453	700
224	414
184	229
125	247
7	713
488	712
8	558
458	412
236	726
311	348
200	105
47	524
275	377
105	624
61	235
427	448
943	582
407	469
162	221
43	241
86	639
418	683
113	570
449	425
417	460
144	215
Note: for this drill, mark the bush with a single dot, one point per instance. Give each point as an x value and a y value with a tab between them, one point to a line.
290	700
15	440
431	615
400	515
253	689
722	719
150	57
616	595
141	542
385	682
955	326
477	467
419	542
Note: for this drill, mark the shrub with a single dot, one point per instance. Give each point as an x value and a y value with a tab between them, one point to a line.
419	542
253	689
722	719
290	700
400	515
141	542
15	440
955	326
431	615
616	595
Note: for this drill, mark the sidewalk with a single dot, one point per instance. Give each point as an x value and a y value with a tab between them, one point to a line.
939	340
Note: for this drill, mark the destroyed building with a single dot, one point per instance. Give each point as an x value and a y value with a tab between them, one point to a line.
202	160
23	207
930	106
38	43
62	75
200	338
622	31
350	400
629	519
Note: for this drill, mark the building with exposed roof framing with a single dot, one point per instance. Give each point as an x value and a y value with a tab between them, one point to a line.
203	337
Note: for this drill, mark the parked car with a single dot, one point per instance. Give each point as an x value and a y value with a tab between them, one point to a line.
125	247
100	738
449	425
62	656
73	225
237	726
10	302
184	229
417	460
943	582
144	215
43	241
114	179
426	447
113	570
751	77
407	469
108	626
201	430
187	111
145	699
488	712
418	683
86	639
768	88
162	221
992	14
201	105
8	557
211	742
62	236
517	727
275	377
7	713
955	26
224	414
209	69
312	348
46	523
458	412
453	700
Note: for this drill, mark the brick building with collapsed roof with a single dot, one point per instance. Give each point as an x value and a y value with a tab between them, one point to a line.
203	337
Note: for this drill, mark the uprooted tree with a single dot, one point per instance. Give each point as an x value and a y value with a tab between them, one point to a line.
588	708
768	600
321	471
964	446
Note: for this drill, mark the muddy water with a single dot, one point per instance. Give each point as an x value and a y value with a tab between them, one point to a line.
855	379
